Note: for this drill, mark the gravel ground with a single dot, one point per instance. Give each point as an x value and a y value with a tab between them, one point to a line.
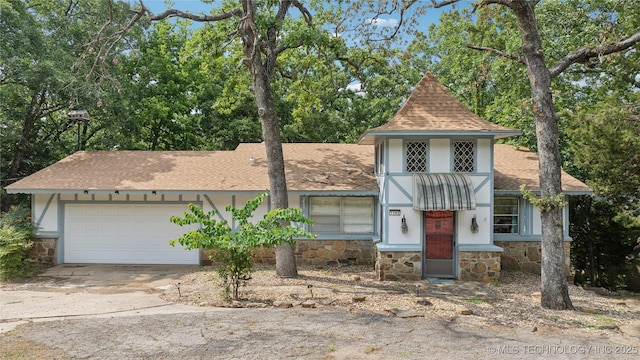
513	301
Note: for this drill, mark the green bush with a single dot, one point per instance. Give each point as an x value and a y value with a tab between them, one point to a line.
16	238
233	248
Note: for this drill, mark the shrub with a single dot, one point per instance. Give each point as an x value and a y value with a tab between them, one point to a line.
233	249
16	239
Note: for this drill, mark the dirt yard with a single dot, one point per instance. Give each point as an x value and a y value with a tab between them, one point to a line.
339	313
514	300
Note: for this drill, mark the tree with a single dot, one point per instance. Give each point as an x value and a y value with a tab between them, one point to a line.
531	54
266	29
42	52
554	294
607	146
234	248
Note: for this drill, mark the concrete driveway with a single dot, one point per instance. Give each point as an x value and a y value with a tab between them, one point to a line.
88	290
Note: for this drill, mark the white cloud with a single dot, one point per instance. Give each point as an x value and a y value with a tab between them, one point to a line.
383	22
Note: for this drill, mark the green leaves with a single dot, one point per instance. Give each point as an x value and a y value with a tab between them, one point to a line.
233	248
606	145
16	233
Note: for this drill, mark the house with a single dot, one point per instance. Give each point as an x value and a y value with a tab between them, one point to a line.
427	194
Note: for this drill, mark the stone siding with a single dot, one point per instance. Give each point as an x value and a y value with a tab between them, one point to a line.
43	251
317	252
399	265
526	256
479	265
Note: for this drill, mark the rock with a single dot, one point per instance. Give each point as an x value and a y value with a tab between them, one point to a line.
631	330
255	305
463	311
608	327
308	304
282	304
599	290
423	302
405	313
355	278
236	304
358	299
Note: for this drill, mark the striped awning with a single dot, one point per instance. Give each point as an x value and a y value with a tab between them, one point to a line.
443	192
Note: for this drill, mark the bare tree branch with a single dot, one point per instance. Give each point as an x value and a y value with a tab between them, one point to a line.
583	54
304	11
507	3
237	12
496	52
438	4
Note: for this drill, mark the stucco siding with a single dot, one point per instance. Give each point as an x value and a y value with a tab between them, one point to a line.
395	153
439	156
485	227
45	213
484	157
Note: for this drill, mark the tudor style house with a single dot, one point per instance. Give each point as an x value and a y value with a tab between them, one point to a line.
428	194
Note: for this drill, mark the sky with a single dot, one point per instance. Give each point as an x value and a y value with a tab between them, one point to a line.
197	6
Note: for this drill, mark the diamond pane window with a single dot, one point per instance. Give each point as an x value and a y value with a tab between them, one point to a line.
416	157
463	156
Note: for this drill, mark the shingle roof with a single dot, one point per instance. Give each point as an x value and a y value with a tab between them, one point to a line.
432	109
309	167
517	167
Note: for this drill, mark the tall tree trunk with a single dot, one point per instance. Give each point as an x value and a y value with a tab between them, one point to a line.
285	256
554	287
260	77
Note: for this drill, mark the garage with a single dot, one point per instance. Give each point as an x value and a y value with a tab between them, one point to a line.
124	234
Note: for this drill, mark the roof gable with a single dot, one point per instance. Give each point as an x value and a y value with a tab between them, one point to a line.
432	109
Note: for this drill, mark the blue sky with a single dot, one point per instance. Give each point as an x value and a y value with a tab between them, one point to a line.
197	6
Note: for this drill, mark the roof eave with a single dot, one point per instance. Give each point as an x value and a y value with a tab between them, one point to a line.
368	138
372	191
537	191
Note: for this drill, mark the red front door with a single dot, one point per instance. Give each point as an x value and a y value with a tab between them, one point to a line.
439	244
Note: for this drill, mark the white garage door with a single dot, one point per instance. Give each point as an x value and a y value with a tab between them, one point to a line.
124	234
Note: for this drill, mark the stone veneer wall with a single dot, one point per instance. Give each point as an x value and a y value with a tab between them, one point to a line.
479	265
43	251
399	265
526	256
317	252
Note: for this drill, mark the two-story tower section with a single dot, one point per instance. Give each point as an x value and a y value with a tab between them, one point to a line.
435	169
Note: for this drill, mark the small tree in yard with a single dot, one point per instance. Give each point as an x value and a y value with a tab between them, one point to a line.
233	249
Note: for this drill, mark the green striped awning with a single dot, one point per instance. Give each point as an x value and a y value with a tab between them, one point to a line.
443	192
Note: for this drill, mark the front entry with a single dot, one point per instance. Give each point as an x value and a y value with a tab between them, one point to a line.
439	244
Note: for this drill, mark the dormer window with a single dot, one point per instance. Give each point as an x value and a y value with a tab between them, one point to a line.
416	157
464	156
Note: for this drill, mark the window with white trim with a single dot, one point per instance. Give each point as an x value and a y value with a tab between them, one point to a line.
416	157
506	215
463	156
349	214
